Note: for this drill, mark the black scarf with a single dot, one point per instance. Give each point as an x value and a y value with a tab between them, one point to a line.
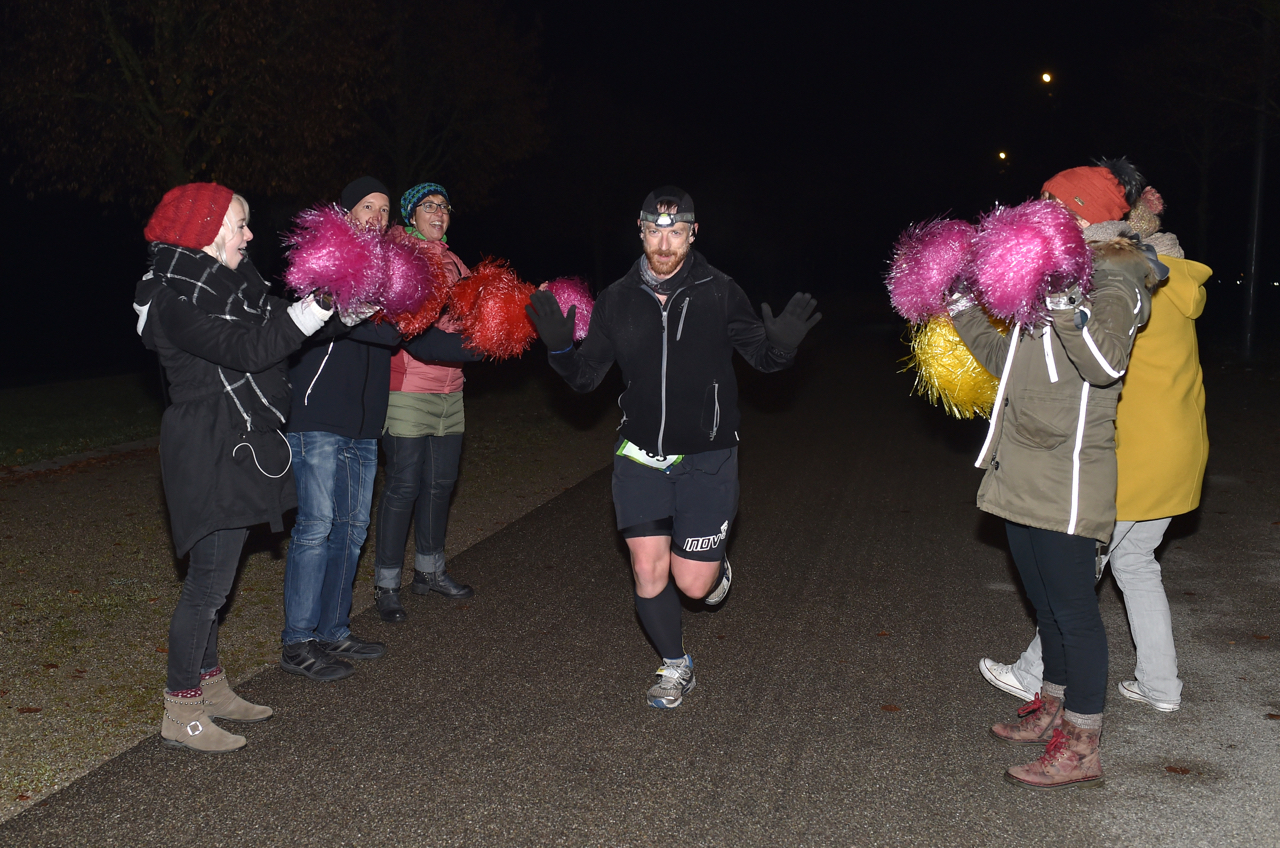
262	398
671	284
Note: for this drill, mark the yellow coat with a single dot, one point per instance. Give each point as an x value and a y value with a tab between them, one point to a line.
1162	442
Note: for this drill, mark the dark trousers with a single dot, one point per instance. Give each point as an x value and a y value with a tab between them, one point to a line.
193	630
420	476
1057	572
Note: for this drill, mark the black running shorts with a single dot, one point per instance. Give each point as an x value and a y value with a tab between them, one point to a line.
699	494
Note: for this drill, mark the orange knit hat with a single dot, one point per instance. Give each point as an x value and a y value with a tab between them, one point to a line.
1093	193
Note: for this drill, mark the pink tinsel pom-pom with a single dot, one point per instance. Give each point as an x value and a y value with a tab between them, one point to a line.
1022	253
573	291
927	261
416	285
489	304
329	255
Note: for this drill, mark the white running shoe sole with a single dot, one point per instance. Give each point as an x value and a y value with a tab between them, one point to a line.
1129	688
1001	676
723	589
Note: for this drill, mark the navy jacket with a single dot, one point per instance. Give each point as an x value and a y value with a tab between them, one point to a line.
342	385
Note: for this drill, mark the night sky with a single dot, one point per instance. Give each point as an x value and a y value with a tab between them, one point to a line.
808	140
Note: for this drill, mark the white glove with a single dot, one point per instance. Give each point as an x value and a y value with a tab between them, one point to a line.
308	315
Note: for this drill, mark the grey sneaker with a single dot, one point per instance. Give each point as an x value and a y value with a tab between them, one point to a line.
310	660
721	589
352	647
675	681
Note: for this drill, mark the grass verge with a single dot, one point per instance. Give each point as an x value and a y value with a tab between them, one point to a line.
58	419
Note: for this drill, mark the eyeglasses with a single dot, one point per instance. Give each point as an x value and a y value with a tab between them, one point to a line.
431	206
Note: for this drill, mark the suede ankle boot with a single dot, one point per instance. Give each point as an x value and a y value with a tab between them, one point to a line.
1038	718
1070	759
186	725
221	702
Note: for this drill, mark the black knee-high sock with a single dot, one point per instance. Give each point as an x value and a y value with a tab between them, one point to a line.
660	617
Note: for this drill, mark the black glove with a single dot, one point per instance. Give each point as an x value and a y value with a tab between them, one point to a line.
554	328
789	328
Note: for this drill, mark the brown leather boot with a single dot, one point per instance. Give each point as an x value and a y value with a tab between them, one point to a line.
221	702
1038	718
1070	759
186	725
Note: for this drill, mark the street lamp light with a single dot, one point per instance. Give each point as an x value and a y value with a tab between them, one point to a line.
1047	77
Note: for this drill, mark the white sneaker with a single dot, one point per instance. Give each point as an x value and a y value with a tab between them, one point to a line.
718	593
1131	690
1002	677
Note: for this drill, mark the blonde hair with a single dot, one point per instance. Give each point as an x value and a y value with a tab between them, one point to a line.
220	241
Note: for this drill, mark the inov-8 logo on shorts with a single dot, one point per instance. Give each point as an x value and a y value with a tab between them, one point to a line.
706	543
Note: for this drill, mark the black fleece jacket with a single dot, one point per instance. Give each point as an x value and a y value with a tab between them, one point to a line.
342	385
676	358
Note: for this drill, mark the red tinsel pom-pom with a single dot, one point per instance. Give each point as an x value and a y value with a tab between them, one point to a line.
490	304
329	255
573	291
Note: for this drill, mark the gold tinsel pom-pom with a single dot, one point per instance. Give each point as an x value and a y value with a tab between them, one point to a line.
946	371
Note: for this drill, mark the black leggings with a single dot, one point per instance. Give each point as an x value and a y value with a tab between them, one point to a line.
1057	572
193	630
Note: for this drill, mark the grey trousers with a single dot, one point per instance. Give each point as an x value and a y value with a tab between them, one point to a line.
1137	573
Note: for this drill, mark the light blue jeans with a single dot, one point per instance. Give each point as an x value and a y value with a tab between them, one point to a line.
334	476
1133	564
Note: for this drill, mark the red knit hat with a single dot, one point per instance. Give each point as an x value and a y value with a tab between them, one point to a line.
189	215
1092	193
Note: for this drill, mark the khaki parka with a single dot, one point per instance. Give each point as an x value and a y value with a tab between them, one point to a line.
1050	451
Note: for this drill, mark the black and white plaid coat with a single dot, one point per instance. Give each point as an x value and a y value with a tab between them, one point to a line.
223	341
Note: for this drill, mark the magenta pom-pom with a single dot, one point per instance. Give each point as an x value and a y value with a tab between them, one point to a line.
1021	253
416	285
330	256
573	291
927	261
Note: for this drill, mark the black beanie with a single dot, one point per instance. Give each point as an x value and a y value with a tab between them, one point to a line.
358	190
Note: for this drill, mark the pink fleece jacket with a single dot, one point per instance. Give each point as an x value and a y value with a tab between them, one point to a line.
437	378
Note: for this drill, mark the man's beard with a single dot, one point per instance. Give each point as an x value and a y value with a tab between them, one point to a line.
663	264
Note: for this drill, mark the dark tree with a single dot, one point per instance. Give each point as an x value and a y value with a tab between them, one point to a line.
458	97
117	100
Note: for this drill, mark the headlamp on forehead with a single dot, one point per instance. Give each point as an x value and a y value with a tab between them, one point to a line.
667	219
666	207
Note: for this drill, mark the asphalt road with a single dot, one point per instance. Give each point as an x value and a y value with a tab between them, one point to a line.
838	701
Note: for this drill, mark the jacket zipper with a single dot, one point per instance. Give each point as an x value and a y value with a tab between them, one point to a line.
684	308
715	419
663	307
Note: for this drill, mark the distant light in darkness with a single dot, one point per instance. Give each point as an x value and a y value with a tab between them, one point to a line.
1047	77
1002	155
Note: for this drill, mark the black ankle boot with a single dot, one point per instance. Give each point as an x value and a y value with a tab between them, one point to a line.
440	581
388	601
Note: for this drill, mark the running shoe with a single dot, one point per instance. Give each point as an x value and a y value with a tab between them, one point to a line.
675	681
722	588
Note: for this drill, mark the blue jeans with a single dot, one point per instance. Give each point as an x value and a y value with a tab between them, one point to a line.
421	473
334	475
